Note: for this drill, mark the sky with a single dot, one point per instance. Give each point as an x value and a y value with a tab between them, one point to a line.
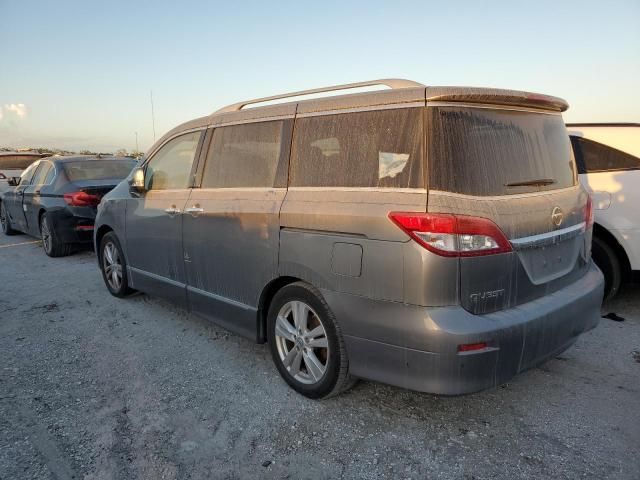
78	74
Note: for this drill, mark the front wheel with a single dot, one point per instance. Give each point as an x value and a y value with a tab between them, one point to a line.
113	266
306	343
6	221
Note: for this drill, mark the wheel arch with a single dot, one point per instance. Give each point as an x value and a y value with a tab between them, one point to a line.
606	236
100	233
268	292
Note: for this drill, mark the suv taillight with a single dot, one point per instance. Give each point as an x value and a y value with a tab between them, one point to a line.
453	235
588	212
81	199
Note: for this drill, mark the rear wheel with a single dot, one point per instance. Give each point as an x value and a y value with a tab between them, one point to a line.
607	260
51	244
6	221
113	266
306	343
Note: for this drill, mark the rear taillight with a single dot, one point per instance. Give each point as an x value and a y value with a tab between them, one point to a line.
453	235
588	212
81	199
471	347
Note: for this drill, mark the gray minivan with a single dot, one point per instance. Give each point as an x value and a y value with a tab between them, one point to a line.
433	238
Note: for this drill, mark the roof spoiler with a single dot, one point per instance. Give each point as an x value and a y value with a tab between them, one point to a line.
496	97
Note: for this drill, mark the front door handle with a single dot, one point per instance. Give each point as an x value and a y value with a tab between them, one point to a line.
194	211
173	210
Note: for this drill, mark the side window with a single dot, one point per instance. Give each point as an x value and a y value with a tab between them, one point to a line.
50	176
41	174
248	155
27	175
170	167
595	157
365	149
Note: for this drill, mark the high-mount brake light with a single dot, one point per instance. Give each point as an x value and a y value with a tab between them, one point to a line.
588	212
453	235
81	199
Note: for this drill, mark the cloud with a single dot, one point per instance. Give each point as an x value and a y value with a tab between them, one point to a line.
20	109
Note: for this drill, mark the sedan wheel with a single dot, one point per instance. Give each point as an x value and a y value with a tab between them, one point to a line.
46	237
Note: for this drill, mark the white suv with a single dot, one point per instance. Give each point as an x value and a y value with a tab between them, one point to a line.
608	161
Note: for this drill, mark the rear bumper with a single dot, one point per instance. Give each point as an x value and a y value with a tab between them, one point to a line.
417	347
74	227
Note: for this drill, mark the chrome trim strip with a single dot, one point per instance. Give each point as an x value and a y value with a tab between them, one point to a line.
219	298
549	238
504	197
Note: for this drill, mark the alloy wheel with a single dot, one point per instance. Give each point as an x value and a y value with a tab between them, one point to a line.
112	266
302	342
46	235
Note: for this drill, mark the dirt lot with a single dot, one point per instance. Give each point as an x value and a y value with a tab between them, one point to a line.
95	387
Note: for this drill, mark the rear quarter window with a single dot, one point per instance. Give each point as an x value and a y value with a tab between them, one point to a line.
594	157
363	149
487	152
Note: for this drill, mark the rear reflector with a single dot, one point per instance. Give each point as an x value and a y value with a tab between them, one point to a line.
453	235
588	212
469	347
81	199
84	227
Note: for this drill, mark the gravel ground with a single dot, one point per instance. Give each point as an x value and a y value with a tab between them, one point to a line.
95	387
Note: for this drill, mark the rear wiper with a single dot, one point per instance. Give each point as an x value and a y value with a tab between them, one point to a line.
540	182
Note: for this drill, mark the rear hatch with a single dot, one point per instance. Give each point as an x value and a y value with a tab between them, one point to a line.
514	166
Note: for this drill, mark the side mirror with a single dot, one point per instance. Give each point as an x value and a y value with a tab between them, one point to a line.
136	183
13	181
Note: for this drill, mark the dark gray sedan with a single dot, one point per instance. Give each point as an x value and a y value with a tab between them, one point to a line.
56	199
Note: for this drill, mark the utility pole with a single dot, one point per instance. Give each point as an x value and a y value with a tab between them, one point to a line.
153	118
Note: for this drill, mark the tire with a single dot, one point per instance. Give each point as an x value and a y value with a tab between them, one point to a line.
607	260
51	244
297	348
110	254
6	221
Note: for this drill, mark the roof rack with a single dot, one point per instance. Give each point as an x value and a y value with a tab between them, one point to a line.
393	83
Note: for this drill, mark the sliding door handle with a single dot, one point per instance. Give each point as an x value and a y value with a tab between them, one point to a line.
194	211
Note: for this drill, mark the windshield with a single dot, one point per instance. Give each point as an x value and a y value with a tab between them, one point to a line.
486	152
98	169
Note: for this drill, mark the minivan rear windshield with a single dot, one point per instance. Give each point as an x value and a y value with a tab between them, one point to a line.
98	169
487	152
